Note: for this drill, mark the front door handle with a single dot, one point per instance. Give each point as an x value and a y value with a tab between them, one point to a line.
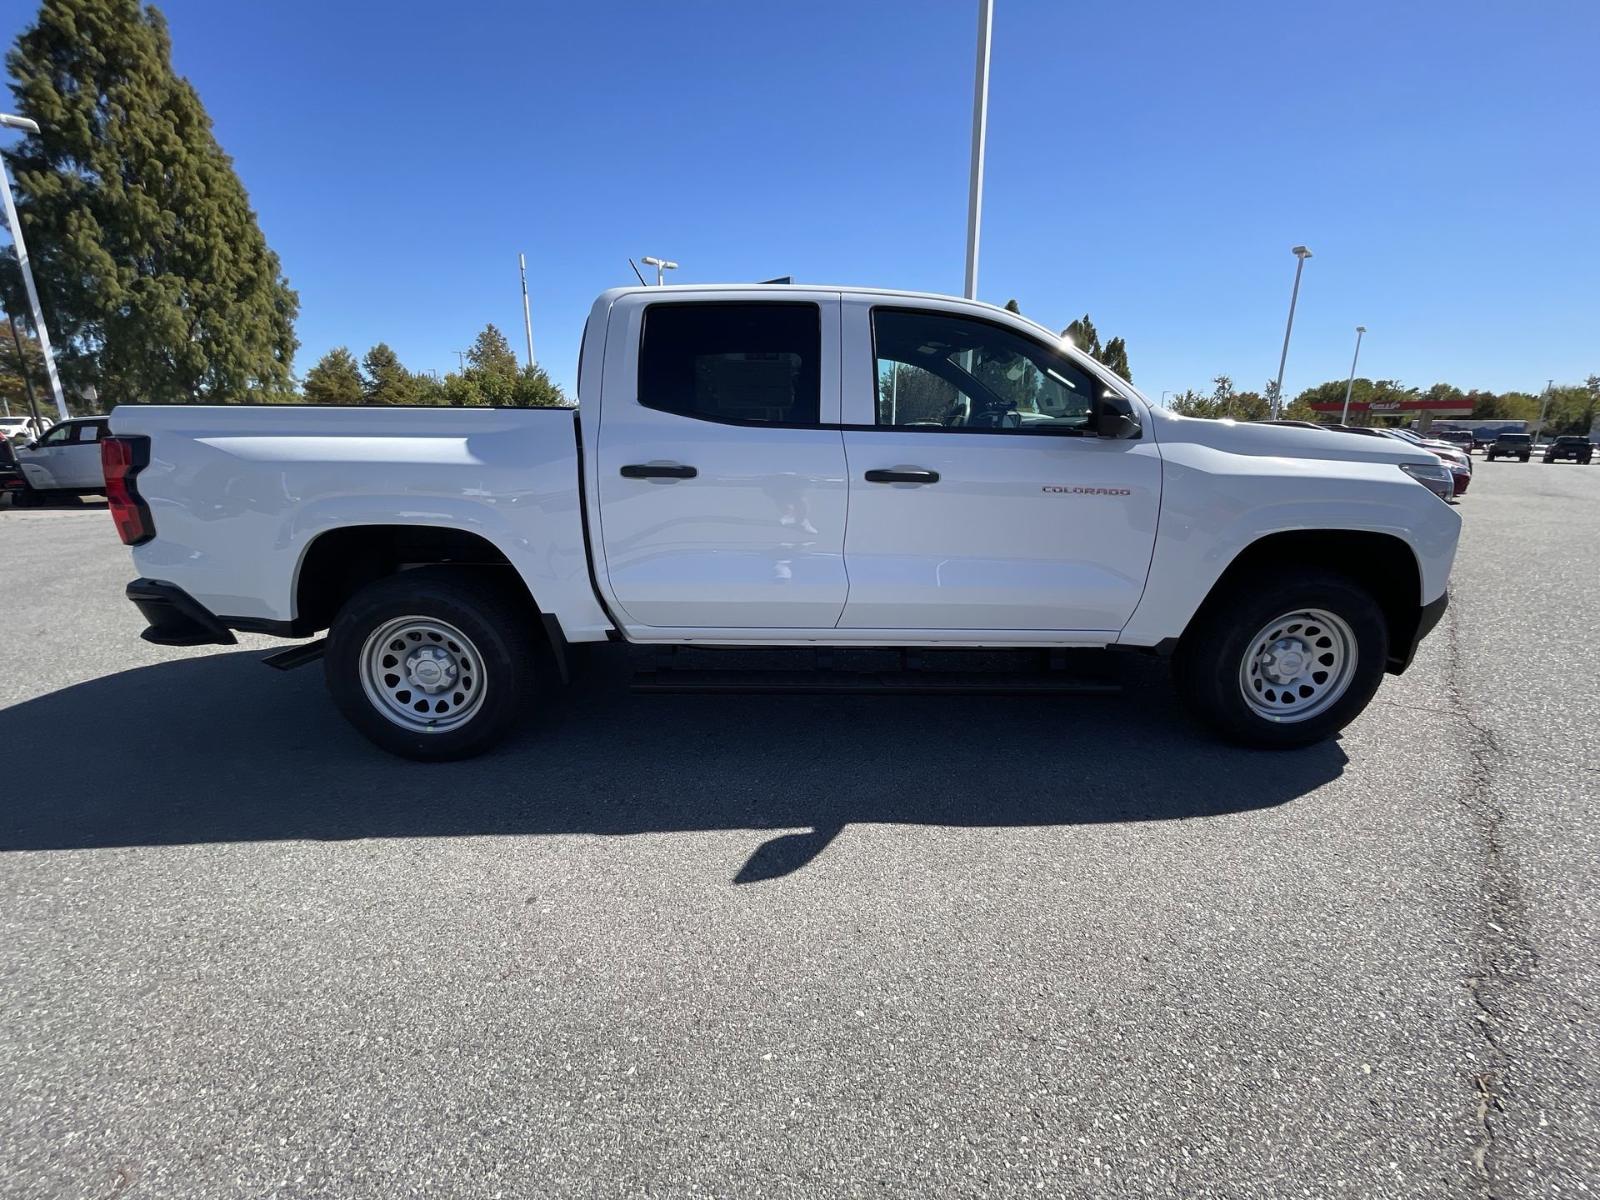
903	475
658	471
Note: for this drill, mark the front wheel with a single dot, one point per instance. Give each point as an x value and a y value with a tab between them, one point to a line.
1283	664
432	663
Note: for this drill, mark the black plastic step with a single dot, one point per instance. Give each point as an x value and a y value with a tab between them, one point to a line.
831	671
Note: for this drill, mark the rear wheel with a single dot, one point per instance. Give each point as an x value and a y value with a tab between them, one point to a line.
432	663
1283	663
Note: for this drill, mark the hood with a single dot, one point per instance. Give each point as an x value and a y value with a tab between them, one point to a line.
1285	441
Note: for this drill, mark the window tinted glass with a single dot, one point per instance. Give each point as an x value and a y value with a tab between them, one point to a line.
59	436
733	362
954	373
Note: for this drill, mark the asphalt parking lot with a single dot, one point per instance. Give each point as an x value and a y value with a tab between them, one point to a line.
784	946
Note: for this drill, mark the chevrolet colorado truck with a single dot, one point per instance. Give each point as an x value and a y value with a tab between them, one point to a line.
782	466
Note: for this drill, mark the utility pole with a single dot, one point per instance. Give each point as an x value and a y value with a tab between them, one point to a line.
27	379
1344	416
1544	403
1300	253
980	128
15	226
461	360
527	319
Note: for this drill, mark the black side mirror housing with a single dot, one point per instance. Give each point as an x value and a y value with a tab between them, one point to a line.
1115	419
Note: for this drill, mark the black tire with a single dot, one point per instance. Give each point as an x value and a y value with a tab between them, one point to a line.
1206	667
497	621
1523	458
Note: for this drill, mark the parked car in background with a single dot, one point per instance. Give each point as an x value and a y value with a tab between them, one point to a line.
1459	438
1510	445
20	429
1575	447
66	459
11	481
1455	461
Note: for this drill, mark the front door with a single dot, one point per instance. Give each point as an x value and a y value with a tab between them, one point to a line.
721	493
980	496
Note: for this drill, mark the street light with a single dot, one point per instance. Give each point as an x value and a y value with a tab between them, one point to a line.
980	126
1301	253
661	265
1344	416
27	126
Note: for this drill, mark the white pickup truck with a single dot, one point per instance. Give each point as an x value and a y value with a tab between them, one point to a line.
787	466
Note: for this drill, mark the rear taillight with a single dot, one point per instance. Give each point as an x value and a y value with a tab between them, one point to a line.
123	458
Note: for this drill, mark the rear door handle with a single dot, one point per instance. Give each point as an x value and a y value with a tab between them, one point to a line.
903	475
658	471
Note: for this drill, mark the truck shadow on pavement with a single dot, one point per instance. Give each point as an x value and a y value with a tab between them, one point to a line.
220	749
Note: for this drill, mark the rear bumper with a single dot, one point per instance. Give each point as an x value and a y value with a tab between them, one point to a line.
176	618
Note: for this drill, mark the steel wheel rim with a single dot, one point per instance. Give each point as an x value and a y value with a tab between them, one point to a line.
1298	666
422	674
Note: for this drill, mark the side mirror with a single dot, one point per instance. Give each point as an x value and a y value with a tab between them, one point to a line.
1115	419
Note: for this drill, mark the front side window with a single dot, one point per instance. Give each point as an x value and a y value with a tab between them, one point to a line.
937	370
740	363
59	436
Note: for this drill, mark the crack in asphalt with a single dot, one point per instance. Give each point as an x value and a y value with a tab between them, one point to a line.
1505	953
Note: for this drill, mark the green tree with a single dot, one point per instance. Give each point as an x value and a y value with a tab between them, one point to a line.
491	355
461	390
1116	358
387	380
157	282
1114	354
13	383
1084	336
535	389
335	379
1013	307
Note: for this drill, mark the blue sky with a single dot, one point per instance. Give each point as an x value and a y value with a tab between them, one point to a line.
1150	164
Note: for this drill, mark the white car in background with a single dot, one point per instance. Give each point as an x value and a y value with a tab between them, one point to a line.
65	459
20	429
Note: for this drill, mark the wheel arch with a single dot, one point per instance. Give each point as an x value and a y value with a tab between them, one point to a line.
1382	563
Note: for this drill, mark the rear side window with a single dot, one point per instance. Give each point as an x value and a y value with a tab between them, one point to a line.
741	363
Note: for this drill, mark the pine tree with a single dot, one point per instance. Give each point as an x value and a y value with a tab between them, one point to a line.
491	355
387	380
1084	336
155	277
1115	356
535	389
335	379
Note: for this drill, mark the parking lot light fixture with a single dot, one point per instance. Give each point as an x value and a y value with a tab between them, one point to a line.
1344	415
12	223
1301	254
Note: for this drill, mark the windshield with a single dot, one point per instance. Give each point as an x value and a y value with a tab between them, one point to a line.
1514	437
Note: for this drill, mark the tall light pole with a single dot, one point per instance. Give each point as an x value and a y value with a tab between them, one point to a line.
980	127
527	318
15	226
1300	253
1544	403
1344	415
661	265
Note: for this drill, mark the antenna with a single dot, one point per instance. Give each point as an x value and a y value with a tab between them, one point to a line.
636	272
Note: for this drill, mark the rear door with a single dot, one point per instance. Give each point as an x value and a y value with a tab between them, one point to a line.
981	497
79	460
720	468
